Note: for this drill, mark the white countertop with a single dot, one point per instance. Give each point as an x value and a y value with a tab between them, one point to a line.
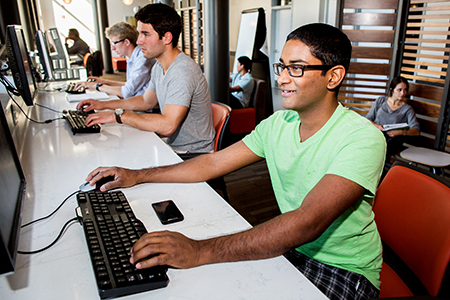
55	163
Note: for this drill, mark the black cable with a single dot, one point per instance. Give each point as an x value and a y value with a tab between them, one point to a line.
26	116
54	242
10	89
48	216
46	107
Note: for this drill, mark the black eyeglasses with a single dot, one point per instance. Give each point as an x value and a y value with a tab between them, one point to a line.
297	70
116	42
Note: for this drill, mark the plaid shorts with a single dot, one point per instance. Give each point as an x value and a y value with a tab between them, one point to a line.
335	283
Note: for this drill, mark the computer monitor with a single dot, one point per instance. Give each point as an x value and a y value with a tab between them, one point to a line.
43	48
20	63
12	193
60	57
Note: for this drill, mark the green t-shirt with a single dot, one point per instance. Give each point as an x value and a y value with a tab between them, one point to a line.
348	145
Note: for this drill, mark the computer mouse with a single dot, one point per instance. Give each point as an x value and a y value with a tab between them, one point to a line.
102	181
86	187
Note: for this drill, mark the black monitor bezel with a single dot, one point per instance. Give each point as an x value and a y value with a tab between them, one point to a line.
16	62
8	253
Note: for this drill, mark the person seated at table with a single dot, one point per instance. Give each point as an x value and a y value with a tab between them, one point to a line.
394	110
79	47
122	37
241	84
177	84
316	151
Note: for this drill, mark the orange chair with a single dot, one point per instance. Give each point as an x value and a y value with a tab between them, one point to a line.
85	59
221	115
244	120
412	213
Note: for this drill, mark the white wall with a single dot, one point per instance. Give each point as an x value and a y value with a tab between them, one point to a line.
236	7
117	10
303	12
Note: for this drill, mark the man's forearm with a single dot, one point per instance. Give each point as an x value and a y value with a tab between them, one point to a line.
135	103
192	170
272	238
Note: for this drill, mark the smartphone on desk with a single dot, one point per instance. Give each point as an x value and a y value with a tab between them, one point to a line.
167	212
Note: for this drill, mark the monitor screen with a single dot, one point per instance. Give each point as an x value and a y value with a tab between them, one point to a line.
12	193
44	54
20	63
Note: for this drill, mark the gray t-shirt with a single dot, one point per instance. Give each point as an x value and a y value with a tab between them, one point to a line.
184	84
381	114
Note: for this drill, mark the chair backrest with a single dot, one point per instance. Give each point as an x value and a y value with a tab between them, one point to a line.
85	59
87	63
258	99
221	115
412	213
97	63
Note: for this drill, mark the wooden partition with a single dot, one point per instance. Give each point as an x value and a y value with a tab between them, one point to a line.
191	38
423	59
370	26
408	38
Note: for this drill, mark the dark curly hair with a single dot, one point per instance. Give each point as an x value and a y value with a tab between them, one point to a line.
163	18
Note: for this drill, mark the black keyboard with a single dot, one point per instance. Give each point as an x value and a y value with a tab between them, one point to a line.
111	229
76	120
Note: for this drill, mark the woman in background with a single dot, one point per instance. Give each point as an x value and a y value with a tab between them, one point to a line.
394	110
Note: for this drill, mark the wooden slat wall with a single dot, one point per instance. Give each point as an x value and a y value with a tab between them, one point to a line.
425	60
370	26
191	38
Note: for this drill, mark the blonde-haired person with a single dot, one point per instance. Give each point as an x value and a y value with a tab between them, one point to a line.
122	37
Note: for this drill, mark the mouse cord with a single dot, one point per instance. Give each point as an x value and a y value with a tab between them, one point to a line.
26	116
54	242
48	216
46	107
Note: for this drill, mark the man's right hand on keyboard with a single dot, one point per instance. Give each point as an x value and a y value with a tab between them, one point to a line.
102	117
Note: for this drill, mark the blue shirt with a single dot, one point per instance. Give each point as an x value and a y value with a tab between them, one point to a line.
138	74
246	83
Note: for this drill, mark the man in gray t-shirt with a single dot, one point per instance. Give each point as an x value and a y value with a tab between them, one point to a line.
177	84
184	85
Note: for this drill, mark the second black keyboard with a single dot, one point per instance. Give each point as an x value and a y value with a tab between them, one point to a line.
77	119
111	229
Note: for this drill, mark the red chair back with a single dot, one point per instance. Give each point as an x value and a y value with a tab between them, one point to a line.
221	114
412	213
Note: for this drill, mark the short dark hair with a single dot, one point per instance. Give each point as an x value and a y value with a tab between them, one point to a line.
74	32
326	43
246	62
395	81
163	18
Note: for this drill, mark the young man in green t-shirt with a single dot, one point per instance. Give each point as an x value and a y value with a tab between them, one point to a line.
325	163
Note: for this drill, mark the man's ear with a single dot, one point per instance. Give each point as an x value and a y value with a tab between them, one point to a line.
127	42
337	74
167	37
